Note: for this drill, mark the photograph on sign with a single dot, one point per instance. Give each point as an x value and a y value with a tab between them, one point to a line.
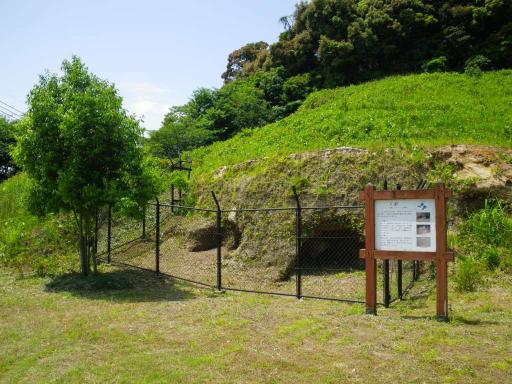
422	229
405	225
423	217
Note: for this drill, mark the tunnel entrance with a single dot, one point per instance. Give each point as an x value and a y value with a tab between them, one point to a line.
332	246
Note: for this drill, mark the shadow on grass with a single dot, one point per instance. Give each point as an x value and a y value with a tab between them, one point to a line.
120	285
453	320
458	319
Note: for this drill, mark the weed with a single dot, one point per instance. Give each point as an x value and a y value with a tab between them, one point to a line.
469	274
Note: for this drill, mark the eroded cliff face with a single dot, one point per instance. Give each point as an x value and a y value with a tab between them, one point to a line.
479	172
335	177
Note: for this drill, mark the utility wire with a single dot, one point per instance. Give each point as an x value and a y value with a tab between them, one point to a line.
18	112
7	112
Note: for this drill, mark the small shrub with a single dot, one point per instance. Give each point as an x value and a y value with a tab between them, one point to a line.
489	226
437	64
491	257
300	183
485	239
469	274
475	65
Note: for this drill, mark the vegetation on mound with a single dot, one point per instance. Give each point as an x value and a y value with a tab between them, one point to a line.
408	111
46	246
483	243
330	43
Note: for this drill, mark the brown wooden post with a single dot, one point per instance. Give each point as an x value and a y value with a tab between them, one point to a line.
441	253
370	262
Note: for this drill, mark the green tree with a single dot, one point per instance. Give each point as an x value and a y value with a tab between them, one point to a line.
82	151
245	60
179	132
7	140
347	41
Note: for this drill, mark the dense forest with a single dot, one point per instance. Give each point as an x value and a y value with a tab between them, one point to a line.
328	43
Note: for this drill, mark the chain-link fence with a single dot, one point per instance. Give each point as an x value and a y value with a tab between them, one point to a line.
329	263
310	252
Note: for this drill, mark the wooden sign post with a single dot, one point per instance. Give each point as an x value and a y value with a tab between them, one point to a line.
406	225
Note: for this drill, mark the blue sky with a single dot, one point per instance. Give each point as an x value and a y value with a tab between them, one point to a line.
156	52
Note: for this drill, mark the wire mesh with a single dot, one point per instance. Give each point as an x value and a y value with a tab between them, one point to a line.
259	251
131	242
188	244
329	255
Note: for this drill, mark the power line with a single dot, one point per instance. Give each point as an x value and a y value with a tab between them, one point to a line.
11	107
9	114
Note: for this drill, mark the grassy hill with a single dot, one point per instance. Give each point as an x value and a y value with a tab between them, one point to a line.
413	110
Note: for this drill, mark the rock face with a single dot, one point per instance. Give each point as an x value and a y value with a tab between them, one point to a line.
489	167
335	177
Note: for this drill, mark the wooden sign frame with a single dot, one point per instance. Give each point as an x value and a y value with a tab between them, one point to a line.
441	256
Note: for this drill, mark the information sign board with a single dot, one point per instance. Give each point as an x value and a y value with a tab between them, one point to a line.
405	225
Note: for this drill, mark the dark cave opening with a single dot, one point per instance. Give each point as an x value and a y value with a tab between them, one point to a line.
333	247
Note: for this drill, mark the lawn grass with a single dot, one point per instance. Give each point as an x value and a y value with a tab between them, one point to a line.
129	326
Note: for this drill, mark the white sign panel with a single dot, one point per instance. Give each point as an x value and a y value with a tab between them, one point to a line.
405	225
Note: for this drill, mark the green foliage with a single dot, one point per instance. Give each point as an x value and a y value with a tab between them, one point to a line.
7	140
81	150
218	114
413	111
346	41
328	43
178	132
179	180
435	65
490	225
30	244
484	243
474	65
300	183
469	274
241	61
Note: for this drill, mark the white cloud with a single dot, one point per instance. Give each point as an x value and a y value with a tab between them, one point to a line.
147	101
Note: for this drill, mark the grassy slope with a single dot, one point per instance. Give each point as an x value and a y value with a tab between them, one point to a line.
158	332
28	243
424	110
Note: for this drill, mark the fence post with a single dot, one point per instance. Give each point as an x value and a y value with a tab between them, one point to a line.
219	242
416	263
157	238
172	197
96	230
109	233
399	267
298	245
385	267
143	222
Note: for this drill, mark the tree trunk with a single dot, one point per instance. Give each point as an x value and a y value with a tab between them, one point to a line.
87	244
95	244
82	245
